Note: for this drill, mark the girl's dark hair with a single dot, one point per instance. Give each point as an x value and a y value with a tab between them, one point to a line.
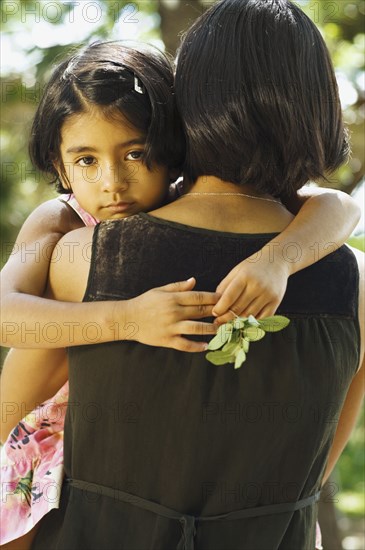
258	97
111	76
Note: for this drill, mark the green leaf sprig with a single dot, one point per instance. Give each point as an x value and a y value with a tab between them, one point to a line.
232	341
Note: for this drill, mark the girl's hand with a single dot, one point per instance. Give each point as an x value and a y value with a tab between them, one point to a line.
257	285
161	315
254	287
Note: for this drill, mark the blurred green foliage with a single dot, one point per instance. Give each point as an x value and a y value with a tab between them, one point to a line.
342	25
350	472
357	241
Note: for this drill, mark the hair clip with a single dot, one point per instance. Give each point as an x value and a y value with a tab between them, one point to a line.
138	86
68	72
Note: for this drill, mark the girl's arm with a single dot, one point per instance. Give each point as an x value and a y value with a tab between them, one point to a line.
347	421
28	378
325	219
29	321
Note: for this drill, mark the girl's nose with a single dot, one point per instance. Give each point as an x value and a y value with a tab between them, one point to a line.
114	179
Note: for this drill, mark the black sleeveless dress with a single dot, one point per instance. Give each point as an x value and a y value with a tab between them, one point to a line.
164	450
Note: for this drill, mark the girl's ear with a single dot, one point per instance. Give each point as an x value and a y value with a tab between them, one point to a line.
61	175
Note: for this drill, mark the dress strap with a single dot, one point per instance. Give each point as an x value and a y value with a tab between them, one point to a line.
187	522
87	218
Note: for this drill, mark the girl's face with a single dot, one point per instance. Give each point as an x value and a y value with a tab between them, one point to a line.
103	161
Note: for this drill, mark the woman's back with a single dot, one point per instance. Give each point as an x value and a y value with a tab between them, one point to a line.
199	439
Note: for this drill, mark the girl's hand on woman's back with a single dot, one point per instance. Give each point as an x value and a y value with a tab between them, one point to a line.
255	287
160	316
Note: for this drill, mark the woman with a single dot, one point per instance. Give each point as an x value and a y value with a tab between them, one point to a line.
163	449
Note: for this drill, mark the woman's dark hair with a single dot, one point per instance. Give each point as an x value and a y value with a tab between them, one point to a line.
258	97
119	80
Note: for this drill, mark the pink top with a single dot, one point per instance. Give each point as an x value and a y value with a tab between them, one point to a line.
87	218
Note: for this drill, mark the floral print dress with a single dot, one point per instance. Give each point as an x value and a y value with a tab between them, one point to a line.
32	457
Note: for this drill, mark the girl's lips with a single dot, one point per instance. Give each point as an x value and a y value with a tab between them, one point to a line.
119	206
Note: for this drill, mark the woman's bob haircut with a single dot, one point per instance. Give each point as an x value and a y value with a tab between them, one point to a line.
134	86
257	93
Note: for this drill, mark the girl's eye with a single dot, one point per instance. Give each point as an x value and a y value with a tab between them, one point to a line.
86	161
134	155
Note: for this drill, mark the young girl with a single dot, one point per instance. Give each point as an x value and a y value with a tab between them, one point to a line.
107	130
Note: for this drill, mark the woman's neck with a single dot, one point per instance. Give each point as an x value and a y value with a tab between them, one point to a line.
206	204
212	184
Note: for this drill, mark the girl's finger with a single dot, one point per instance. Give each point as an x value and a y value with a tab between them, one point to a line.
197	298
223	285
197	328
267	311
183	344
179	286
224	318
229	298
194	312
253	308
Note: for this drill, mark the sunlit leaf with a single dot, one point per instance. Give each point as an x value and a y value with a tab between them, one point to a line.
240	358
254	334
222	336
245	344
253	321
239	322
219	358
274	324
231	348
